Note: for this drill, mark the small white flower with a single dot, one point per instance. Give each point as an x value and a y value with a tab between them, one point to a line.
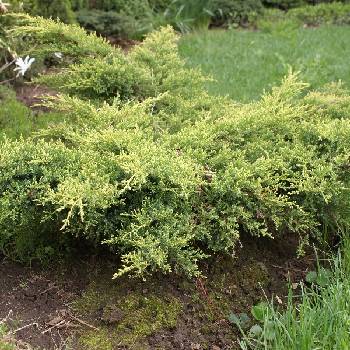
23	65
58	54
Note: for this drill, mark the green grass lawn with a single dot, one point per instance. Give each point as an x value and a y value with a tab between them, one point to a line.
244	63
319	320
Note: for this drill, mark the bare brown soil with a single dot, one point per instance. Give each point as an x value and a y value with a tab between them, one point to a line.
44	300
125	44
32	95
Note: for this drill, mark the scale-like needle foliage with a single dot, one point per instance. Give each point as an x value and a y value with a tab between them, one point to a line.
165	174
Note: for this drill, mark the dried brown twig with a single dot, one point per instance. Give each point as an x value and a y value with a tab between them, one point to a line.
3	7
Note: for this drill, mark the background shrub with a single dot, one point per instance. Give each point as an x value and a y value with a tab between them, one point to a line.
61	9
284	4
187	15
289	4
135	18
160	5
107	22
334	13
240	12
131	19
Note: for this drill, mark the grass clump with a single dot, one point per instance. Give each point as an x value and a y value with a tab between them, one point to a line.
319	317
5	343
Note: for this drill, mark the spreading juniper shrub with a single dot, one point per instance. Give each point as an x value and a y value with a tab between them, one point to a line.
165	175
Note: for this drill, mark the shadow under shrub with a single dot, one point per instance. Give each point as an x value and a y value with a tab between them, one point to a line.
168	176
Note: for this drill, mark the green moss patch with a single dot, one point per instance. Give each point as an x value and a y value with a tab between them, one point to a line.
96	340
125	318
